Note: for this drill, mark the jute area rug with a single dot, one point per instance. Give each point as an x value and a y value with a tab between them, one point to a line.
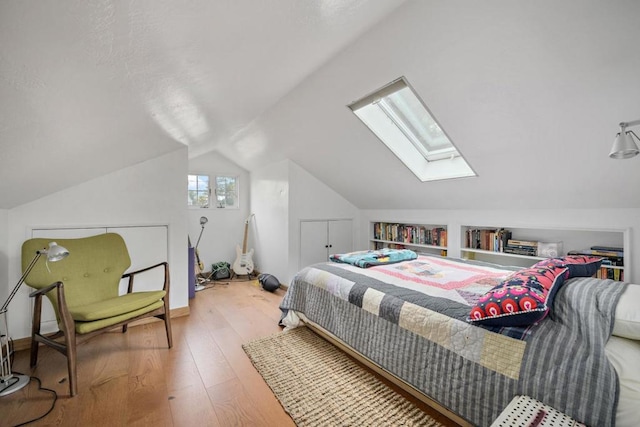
319	385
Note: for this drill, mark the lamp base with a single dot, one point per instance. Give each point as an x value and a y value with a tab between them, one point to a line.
13	383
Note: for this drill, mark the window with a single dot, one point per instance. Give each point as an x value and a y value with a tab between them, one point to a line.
198	191
227	192
397	116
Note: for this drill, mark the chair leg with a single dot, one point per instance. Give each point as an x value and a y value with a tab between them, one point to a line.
68	327
71	363
167	322
35	329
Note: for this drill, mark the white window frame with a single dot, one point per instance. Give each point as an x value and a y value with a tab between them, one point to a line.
227	198
205	191
411	144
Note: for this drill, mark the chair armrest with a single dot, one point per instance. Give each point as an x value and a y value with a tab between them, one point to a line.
66	322
45	290
132	274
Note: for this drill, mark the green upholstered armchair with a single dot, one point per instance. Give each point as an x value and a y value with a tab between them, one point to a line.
84	291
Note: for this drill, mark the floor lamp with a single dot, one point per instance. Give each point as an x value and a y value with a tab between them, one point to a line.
203	221
10	382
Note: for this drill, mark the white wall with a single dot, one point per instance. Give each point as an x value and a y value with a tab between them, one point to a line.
225	228
4	253
282	195
152	192
534	218
270	203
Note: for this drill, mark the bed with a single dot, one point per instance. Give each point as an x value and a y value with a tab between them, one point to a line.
411	320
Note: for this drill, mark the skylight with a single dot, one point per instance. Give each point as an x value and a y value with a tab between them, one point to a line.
403	123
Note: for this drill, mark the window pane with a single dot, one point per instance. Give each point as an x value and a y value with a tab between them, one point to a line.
226	192
198	190
418	120
193	182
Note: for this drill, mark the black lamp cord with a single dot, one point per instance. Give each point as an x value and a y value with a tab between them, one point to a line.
53	392
53	402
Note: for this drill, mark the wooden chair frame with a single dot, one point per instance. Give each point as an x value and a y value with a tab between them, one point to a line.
65	340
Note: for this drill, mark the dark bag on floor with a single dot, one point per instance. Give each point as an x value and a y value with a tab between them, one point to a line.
268	282
220	271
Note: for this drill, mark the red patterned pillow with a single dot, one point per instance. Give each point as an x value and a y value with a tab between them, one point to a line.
578	265
522	299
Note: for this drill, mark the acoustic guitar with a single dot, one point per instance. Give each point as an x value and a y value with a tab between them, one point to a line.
243	264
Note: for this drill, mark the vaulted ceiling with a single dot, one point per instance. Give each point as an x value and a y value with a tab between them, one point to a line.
89	87
530	92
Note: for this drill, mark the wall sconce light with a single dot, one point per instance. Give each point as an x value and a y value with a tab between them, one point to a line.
624	147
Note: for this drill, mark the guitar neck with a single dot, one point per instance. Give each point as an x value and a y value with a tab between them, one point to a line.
246	234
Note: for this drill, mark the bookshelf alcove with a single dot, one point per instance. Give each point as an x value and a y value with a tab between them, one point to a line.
428	238
571	240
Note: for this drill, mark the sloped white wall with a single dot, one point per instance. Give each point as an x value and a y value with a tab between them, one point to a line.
152	192
225	228
529	93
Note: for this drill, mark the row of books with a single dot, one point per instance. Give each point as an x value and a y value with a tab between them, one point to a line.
610	273
411	234
487	239
610	255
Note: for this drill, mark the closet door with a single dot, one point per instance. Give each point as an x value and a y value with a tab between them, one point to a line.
321	238
340	236
313	242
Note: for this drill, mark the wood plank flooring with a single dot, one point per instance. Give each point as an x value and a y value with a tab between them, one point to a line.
132	379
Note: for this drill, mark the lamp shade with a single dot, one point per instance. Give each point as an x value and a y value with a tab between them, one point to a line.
624	147
55	252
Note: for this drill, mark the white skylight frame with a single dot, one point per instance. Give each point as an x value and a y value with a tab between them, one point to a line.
402	121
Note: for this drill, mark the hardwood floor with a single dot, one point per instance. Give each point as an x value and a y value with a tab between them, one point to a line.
132	379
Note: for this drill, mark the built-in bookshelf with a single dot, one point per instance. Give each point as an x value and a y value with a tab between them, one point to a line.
525	246
430	238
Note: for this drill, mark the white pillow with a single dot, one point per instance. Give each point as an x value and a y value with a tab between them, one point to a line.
624	355
627	319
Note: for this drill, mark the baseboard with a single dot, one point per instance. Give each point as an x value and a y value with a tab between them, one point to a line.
25	343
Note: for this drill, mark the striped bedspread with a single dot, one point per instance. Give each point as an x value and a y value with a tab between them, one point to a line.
410	319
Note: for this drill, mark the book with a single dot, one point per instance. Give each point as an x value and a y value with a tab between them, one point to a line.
607	249
513	242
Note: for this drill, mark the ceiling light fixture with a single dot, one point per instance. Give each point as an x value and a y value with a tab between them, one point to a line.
624	147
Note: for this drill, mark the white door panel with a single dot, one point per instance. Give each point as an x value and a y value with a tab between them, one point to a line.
340	237
147	246
313	242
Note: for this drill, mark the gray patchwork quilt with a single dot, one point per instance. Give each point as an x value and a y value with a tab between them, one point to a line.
410	318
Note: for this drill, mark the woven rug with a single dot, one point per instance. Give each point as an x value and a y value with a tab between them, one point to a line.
319	385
